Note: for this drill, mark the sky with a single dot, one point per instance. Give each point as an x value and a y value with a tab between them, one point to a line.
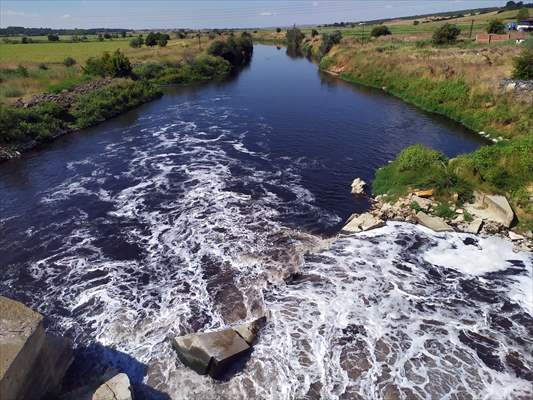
151	14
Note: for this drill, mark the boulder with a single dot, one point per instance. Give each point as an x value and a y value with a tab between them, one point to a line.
515	236
424	193
494	208
424	203
362	222
116	388
32	364
474	226
436	224
213	352
358	186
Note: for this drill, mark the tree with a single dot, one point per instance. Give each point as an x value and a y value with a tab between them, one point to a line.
115	65
446	34
136	42
278	30
294	37
416	22
107	36
496	26
53	38
123	34
523	14
24	40
523	64
380	30
162	39
151	39
314	33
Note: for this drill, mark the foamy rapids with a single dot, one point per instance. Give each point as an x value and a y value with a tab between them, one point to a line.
180	227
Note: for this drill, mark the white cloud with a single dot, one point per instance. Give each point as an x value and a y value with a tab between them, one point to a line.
266	13
66	16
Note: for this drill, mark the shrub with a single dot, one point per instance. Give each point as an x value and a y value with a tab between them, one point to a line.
42	66
416	23
523	64
446	34
68	83
278	30
314	33
496	26
237	51
69	62
162	39
136	42
151	39
419	157
24	40
116	65
53	38
443	210
328	41
8	91
148	71
107	36
380	30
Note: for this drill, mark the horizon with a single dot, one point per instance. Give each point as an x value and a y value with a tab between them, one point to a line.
209	14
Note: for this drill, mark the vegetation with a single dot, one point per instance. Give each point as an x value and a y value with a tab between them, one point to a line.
236	50
48	120
328	41
294	38
523	14
380	30
496	26
446	34
53	38
69	62
115	65
523	64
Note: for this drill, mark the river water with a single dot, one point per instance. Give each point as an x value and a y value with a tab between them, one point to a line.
218	203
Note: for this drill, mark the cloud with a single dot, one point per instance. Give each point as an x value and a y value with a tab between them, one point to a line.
266	13
66	16
18	13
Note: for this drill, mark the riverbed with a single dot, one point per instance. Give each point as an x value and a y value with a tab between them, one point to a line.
220	202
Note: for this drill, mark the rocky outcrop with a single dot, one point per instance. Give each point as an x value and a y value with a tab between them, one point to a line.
32	363
358	186
213	352
436	224
363	222
494	208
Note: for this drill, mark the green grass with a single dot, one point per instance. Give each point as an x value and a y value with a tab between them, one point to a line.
68	83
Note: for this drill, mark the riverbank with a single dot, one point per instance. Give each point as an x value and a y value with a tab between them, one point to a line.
106	87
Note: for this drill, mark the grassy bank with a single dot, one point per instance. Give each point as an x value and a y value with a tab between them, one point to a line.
76	105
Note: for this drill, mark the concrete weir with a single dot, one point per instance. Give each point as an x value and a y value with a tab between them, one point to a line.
212	353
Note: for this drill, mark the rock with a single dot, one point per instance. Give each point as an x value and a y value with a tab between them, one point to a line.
494	208
510	87
363	222
208	353
425	204
358	186
424	193
474	226
249	330
459	211
32	364
434	223
117	388
515	236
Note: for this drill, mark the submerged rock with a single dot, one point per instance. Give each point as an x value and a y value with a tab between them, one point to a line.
434	223
213	352
358	186
32	363
362	222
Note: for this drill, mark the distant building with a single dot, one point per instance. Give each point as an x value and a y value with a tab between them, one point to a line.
525	25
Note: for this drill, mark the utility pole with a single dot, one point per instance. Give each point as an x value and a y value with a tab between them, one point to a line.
471	28
199	42
363	34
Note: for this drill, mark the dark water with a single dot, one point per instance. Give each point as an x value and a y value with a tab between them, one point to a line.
188	213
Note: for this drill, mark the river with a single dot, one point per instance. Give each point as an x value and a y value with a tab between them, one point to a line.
190	212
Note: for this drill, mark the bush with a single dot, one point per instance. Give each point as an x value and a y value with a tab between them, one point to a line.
314	33
162	39
446	34
278	30
415	23
136	42
328	41
69	62
42	66
116	65
22	71
496	26
443	210
53	38
24	40
380	30
151	39
237	51
523	64
148	71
